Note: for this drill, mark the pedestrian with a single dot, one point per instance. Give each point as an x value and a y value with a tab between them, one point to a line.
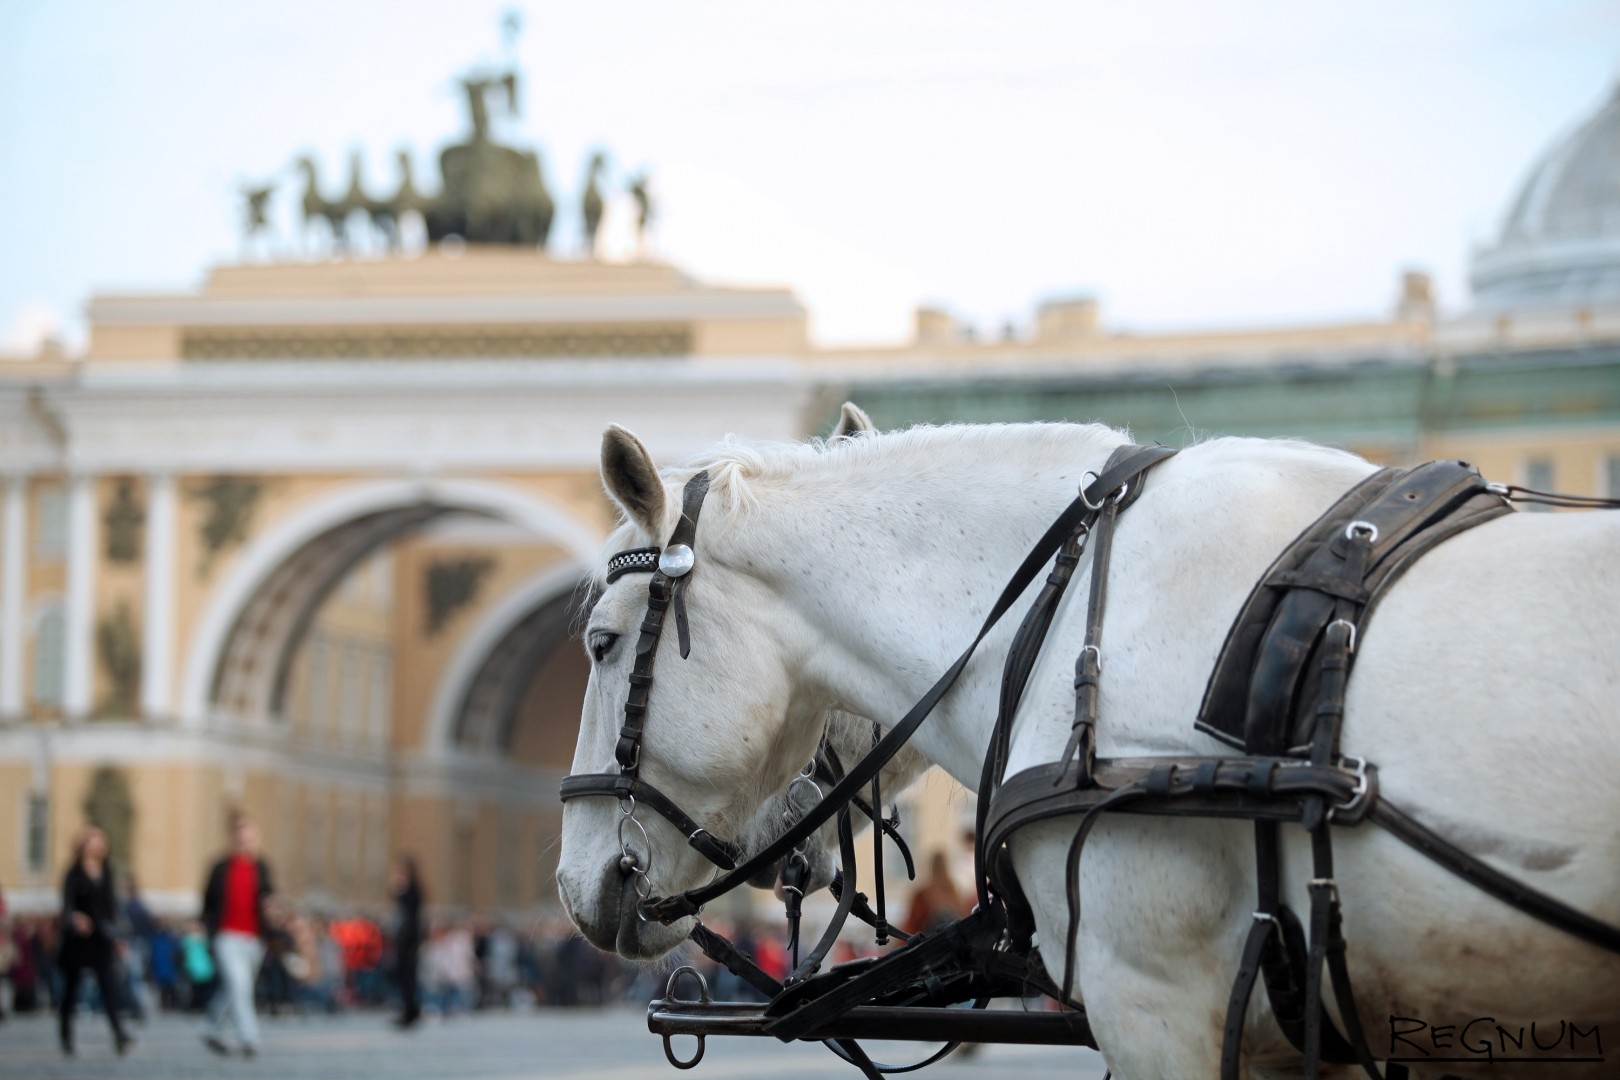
234	915
89	933
937	902
407	886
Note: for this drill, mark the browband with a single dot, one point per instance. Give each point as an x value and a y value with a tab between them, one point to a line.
634	561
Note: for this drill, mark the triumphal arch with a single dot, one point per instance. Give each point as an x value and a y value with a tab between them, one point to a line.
307	540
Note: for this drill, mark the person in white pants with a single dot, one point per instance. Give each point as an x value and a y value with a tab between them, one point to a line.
238	956
234	913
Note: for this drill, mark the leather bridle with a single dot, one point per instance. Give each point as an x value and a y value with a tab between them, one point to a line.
671	569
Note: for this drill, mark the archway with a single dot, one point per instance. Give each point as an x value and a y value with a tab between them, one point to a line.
238	660
482	688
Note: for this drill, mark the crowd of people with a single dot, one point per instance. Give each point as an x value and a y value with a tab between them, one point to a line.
246	953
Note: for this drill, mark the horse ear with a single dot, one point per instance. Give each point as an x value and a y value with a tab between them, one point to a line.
632	479
852	420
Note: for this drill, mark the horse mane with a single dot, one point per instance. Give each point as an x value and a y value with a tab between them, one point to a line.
740	468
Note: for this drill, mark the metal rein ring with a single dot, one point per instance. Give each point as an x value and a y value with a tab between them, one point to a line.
1117	495
791	812
628	859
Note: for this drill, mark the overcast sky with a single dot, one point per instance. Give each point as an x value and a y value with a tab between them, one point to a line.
1190	163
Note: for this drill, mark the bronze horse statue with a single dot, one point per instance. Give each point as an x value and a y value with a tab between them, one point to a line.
317	206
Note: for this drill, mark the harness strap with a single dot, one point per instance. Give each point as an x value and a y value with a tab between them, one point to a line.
1483	876
671	908
1089	664
1119	485
831	770
622	785
1237	1005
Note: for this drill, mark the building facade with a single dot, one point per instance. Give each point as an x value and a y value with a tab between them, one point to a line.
306	540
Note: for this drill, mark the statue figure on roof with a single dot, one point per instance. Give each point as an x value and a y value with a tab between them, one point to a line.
640	190
255	210
488	192
491	194
591	203
318	207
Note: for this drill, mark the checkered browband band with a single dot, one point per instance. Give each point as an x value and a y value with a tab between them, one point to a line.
635	561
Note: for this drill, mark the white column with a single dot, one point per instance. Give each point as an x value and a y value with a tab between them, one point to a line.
157	635
13	581
81	599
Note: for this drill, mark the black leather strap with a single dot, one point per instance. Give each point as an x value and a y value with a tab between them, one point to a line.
620	786
728	956
1483	876
1120	484
1237	1004
669	909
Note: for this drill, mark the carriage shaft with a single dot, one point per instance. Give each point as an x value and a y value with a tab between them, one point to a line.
904	1023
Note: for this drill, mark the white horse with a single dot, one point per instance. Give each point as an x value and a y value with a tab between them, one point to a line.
848	575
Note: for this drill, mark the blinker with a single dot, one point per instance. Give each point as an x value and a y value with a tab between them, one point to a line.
676	561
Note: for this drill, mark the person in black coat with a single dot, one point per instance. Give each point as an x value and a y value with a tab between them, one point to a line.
89	933
407	886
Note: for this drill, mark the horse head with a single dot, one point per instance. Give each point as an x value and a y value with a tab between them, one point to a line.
724	731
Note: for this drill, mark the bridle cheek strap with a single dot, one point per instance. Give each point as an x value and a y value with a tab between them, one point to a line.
671	568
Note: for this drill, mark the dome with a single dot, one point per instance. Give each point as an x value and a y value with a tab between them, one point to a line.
1560	244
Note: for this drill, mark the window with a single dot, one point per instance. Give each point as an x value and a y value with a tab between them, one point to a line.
38	832
382	581
348	847
50	533
50	644
349	693
1538	475
315	707
507	865
379	703
376	844
314	839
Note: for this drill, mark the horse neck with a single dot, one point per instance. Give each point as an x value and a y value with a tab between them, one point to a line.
895	553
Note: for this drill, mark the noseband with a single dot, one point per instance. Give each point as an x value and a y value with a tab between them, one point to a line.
671	569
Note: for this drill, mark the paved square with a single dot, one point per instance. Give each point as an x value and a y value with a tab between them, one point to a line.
606	1044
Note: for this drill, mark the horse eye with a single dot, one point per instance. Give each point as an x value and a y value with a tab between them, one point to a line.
602	643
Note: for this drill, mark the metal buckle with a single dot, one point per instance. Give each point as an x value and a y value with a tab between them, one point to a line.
1348	624
1325	882
1365	528
1097	649
1358	796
